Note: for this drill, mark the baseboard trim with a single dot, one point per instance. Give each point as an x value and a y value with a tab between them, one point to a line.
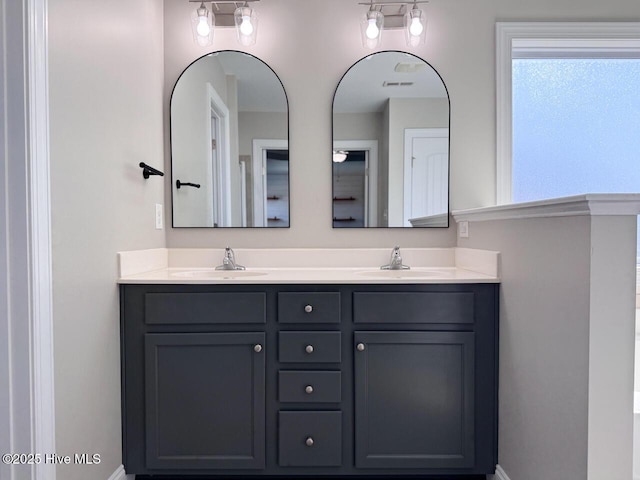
120	474
500	474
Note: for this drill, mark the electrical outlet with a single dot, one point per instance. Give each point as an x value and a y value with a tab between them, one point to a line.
159	216
463	229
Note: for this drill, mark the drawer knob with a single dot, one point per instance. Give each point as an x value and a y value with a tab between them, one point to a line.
308	389
309	442
360	347
308	308
257	348
308	349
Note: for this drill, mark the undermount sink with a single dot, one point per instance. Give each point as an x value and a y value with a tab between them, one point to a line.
211	273
399	273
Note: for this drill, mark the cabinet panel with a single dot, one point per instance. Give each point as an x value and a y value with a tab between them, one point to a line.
309	347
413	307
309	307
414	399
205	308
205	400
310	439
309	387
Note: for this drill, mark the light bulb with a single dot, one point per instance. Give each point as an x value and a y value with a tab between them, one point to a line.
246	27
372	30
416	27
203	28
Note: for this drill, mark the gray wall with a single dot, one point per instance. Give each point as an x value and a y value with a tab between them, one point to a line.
309	70
566	344
190	138
310	57
408	113
358	126
106	117
108	99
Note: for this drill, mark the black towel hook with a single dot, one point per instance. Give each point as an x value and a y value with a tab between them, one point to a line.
147	171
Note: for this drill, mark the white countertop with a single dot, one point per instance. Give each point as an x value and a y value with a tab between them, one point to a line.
309	275
308	266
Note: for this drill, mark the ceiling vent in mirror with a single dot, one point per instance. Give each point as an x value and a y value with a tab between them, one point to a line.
224	13
397	84
393	14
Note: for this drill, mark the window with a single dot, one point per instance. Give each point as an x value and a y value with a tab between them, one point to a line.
568	113
576	127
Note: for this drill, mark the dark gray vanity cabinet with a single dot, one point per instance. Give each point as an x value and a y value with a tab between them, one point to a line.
414	399
295	381
204	400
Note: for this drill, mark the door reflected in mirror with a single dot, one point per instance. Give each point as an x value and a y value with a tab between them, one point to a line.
229	144
391	144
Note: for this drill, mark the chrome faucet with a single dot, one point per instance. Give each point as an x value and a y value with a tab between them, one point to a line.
229	261
395	262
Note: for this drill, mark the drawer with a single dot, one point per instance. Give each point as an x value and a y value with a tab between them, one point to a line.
309	387
309	347
310	439
413	307
309	307
204	308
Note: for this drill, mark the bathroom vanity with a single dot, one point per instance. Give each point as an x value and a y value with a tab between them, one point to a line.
240	376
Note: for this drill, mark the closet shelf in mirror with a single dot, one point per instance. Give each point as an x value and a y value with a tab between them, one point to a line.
350	219
274	219
273	197
344	199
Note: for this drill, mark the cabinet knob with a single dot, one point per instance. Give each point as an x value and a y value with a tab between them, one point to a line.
308	349
360	347
308	389
257	348
308	308
309	442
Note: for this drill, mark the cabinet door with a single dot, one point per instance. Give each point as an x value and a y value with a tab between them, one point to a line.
414	399
205	400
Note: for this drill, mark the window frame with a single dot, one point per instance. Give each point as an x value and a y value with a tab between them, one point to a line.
547	40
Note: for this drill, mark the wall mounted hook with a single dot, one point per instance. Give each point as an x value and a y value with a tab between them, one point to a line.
147	171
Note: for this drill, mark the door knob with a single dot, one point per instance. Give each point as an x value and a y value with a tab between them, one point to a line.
308	308
308	389
360	347
309	442
257	348
309	349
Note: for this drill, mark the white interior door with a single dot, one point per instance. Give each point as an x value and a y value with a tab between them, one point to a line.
426	173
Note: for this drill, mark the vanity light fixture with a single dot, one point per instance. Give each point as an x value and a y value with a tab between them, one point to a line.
371	27
202	21
224	13
415	26
246	21
393	15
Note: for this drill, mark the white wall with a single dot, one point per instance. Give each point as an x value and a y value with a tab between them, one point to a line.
190	139
310	57
566	345
106	91
408	113
358	126
309	69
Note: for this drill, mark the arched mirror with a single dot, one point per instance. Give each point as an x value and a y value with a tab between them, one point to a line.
229	144
391	144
